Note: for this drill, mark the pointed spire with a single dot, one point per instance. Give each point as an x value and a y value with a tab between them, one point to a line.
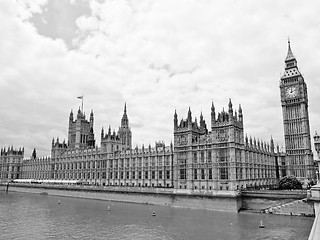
230	107
212	107
125	120
213	115
175	119
289	54
189	115
102	132
240	113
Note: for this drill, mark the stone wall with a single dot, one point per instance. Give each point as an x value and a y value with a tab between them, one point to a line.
217	203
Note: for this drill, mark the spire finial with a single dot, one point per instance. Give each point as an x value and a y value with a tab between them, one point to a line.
125	107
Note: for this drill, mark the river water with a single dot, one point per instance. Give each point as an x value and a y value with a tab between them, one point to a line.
35	216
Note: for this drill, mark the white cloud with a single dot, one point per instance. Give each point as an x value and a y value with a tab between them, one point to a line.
157	56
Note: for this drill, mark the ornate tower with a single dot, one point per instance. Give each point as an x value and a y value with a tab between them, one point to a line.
80	133
294	102
124	131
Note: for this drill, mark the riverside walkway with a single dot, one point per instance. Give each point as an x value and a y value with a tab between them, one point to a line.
314	196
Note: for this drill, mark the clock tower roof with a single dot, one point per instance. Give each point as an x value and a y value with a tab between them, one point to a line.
289	54
291	68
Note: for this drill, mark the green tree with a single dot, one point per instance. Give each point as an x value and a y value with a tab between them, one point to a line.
289	182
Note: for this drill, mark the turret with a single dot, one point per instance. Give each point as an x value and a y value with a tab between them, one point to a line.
189	116
125	120
271	145
175	120
34	154
79	115
213	114
91	119
91	141
71	116
230	110
124	132
102	132
240	113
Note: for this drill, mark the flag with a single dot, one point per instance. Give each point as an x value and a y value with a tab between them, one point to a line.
80	97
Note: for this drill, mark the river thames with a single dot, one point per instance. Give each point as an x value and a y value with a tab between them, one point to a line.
35	216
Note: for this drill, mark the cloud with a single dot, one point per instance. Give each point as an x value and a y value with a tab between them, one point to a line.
157	56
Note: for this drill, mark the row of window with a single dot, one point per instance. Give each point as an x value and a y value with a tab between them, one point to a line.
118	175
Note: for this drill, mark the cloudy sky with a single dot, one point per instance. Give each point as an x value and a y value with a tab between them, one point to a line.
157	56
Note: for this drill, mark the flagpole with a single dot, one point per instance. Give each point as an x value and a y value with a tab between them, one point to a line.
82	104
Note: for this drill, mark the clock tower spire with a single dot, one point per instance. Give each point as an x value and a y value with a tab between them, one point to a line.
294	102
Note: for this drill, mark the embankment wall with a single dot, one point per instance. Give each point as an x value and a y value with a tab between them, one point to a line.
166	198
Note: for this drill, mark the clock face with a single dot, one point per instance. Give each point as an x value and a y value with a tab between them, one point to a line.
291	91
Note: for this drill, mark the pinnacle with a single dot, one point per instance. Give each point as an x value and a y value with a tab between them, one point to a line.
289	54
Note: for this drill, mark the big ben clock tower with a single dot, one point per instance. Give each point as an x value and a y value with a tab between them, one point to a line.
294	102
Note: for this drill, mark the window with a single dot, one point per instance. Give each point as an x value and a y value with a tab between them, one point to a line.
210	173
202	156
168	174
133	175
195	157
127	177
202	174
209	157
167	160
195	174
160	174
182	173
139	175
223	173
153	174
146	175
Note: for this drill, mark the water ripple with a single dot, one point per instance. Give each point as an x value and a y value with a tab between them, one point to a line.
31	216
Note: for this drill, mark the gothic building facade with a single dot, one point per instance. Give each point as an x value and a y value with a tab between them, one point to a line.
294	102
222	158
10	163
201	158
114	163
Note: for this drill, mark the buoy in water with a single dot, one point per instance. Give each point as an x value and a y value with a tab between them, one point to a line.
261	224
109	209
59	202
154	214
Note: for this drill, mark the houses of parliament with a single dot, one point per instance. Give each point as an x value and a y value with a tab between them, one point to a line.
200	158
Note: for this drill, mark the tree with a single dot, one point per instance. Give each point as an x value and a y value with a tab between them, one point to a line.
289	182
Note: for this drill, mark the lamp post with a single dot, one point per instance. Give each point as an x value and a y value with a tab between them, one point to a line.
317	147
